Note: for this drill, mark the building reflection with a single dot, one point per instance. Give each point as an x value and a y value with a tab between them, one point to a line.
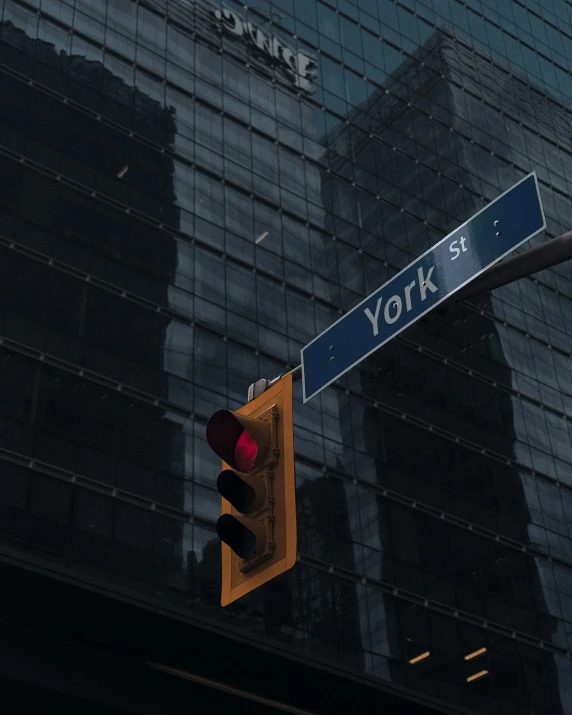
463	436
124	451
329	608
411	144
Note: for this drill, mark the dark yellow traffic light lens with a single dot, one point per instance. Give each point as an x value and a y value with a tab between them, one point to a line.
237	492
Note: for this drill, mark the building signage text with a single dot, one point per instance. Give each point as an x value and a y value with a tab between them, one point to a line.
300	68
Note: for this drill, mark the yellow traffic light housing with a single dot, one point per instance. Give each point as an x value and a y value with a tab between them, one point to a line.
258	522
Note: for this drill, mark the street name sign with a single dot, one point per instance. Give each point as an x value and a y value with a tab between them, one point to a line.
492	233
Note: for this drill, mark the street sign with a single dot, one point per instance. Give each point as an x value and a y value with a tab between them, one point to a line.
493	232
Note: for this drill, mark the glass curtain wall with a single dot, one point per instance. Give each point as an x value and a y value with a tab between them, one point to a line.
190	192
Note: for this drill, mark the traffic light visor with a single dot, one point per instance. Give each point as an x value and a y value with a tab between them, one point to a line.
241	441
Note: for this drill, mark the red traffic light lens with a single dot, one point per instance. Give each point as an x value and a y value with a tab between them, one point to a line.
241	441
245	452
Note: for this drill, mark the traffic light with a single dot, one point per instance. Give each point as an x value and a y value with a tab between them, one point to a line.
258	522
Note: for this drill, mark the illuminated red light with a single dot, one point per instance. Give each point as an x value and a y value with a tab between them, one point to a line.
245	452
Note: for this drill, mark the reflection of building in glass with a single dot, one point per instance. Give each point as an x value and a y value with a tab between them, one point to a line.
443	426
172	229
282	180
84	342
158	251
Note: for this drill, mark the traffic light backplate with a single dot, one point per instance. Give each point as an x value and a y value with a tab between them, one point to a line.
257	482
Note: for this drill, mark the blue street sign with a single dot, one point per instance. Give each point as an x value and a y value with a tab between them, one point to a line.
492	233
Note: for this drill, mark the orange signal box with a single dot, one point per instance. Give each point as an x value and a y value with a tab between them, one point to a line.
257	483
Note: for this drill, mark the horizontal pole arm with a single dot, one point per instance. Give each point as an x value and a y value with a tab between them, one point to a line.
260	386
536	259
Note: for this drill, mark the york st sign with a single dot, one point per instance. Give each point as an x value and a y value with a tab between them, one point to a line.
300	68
492	233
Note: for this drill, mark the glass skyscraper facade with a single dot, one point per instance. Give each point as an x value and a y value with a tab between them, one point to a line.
190	192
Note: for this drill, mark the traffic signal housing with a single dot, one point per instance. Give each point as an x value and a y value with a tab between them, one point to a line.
257	526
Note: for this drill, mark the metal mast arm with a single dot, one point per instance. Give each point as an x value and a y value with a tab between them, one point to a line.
536	259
